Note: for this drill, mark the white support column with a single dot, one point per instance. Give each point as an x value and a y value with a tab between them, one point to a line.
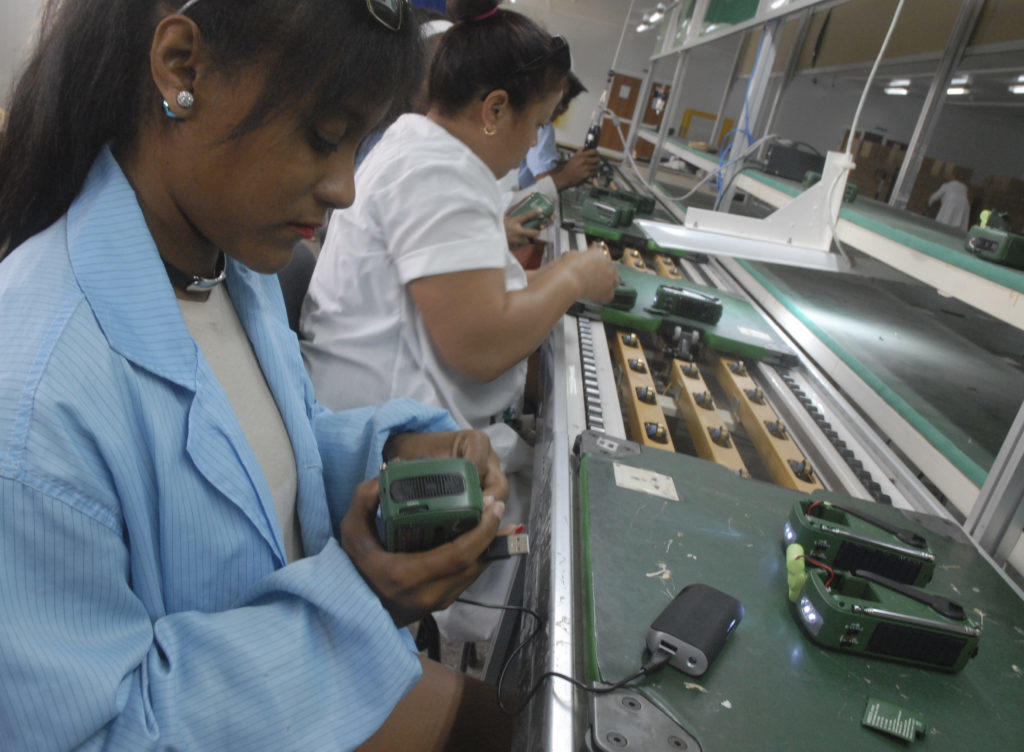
700	9
716	131
670	112
997	519
638	111
929	117
756	87
787	76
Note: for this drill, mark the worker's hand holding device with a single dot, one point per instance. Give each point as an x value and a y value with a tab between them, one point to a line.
535	210
411	585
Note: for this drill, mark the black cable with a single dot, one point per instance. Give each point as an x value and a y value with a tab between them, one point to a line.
654	663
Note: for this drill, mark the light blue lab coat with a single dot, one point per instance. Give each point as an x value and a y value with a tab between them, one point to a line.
145	602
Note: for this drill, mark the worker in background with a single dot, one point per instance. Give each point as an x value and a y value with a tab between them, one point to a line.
188	557
543	161
954	206
415	291
441	311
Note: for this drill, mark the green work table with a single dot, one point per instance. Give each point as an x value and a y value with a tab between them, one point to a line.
771	688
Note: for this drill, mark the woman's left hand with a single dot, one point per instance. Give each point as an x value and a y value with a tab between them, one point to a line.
412	585
517	234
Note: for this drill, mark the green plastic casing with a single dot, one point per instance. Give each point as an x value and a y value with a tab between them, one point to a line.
690	304
861	617
624	298
1000	246
425	503
640	204
531	202
608	212
846	542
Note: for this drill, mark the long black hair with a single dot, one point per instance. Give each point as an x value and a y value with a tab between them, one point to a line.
503	50
88	82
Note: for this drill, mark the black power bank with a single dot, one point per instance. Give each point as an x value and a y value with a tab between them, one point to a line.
694	626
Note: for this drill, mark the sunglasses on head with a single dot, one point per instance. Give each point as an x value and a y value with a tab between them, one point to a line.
388	13
558	54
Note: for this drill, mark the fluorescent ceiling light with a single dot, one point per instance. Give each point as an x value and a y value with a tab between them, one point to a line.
1017	89
962	80
898	91
656	16
956	91
900	82
642	27
1020	79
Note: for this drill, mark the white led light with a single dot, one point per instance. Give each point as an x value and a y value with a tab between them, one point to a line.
1017	89
956	91
1020	79
896	91
642	27
900	82
959	80
789	533
810	614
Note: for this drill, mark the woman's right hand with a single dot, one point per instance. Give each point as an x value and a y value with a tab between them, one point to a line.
598	273
412	585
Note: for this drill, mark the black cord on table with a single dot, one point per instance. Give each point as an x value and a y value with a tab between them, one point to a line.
654	663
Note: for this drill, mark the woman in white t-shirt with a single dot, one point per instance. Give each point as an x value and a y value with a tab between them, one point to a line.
415	293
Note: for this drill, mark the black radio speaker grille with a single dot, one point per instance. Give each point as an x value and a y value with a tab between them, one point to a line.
427	487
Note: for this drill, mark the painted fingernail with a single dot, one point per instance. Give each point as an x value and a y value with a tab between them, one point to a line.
519	529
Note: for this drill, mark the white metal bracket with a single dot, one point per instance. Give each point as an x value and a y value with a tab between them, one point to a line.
798	233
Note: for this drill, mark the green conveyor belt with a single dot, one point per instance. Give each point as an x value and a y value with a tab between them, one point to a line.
959	395
772	688
954	393
742	331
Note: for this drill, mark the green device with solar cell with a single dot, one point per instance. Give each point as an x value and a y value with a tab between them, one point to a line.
425	503
847	539
866	614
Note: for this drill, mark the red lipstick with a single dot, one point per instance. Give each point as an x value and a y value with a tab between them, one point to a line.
306	231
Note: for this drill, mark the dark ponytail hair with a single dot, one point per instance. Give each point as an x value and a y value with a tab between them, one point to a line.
88	83
504	50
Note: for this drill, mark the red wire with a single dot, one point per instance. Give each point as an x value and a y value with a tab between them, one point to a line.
812	506
831	573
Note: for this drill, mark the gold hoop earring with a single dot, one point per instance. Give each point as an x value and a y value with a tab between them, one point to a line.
490	130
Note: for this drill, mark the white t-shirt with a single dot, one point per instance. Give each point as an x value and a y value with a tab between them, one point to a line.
215	327
425	205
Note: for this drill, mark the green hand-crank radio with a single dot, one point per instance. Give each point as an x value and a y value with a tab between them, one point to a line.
425	503
850	539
